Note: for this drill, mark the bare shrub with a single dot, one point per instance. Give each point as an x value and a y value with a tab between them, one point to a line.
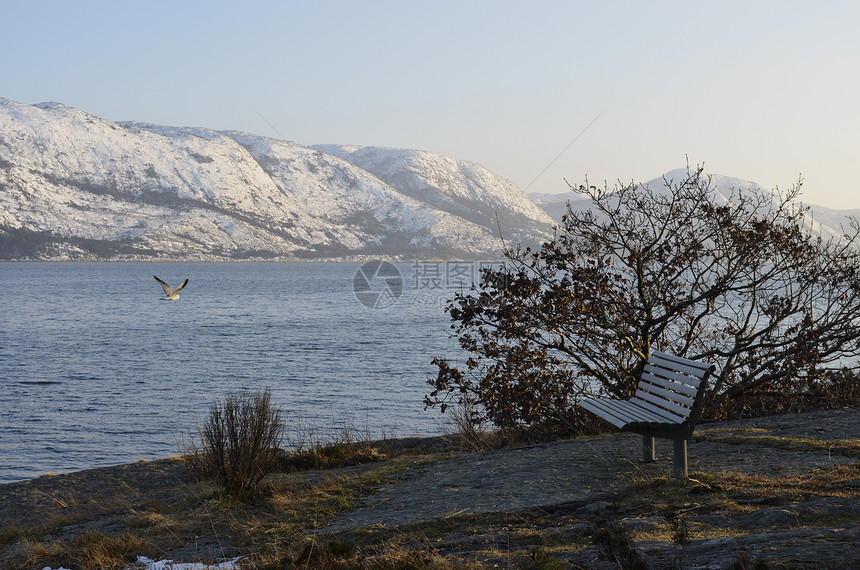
471	432
239	443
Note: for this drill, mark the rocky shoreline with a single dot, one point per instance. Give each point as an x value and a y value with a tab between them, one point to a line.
793	481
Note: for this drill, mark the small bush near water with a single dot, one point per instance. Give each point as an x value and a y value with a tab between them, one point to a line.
239	443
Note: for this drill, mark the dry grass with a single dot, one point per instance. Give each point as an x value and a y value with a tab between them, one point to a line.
91	549
846	447
280	527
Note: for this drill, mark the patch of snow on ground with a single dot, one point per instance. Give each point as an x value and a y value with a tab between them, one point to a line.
144	563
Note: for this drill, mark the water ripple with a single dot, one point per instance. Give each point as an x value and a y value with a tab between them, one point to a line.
98	371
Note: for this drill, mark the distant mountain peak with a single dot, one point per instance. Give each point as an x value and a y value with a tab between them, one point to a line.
821	221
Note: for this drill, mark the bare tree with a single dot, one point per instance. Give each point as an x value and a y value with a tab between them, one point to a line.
735	280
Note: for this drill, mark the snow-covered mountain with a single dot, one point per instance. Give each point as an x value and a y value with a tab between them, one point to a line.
460	188
822	221
74	185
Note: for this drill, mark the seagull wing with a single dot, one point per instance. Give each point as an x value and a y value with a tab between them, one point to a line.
184	283
167	290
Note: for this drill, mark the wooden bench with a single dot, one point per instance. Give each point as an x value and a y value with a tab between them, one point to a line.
667	403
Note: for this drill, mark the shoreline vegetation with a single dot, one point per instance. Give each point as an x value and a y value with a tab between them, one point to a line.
769	492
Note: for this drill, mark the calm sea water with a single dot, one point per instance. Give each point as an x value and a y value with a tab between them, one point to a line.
96	370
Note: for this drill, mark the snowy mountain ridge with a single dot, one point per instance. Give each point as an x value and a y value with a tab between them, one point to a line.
73	185
820	220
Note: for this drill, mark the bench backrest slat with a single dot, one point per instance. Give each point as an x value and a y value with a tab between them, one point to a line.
693	367
668	384
687	373
664	403
667	394
672	383
678	381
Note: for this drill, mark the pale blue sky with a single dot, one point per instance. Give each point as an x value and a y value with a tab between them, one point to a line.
760	90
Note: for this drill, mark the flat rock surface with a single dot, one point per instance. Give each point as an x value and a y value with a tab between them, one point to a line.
588	470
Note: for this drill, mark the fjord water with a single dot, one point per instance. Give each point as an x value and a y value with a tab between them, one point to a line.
97	370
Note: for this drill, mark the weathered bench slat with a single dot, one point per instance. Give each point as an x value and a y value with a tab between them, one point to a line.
631	411
671	395
622	412
607	412
662	414
683	378
628	411
677	382
666	404
692	367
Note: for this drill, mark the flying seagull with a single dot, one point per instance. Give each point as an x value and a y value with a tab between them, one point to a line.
171	294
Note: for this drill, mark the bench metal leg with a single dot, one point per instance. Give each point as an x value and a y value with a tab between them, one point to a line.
648	451
680	458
